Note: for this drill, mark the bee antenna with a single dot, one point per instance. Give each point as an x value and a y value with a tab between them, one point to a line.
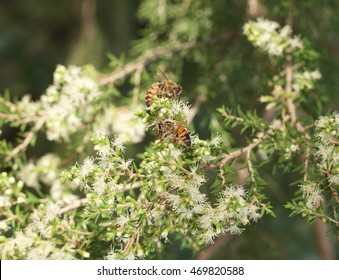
161	73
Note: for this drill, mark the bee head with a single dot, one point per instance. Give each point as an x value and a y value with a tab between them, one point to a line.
178	90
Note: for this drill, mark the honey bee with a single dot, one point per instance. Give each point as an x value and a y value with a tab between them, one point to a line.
167	88
168	130
183	135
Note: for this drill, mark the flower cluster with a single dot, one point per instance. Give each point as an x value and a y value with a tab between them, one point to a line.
327	135
169	199
11	193
301	82
312	195
121	121
68	105
269	37
36	241
46	171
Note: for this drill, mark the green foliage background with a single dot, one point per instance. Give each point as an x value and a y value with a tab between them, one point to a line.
36	35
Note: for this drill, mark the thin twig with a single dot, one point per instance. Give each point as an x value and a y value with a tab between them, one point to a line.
251	171
8	104
233	118
290	105
289	78
136	89
241	151
11	117
294	67
308	149
73	205
27	140
154	54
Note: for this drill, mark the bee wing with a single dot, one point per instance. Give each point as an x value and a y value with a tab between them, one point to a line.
161	73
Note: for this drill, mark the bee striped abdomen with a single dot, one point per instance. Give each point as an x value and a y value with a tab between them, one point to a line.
183	135
151	92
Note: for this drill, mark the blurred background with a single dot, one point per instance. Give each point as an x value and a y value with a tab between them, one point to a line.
36	35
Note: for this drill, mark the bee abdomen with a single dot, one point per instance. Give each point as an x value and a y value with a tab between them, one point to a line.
183	135
151	92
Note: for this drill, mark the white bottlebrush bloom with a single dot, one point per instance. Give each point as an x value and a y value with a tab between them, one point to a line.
130	257
235	191
199	208
68	103
176	153
48	161
208	236
253	212
127	126
58	191
322	122
285	31
334	180
21	242
196	195
314	199
196	179
207	158
184	212
216	141
99	185
40	252
124	164
294	147
29	175
118	143
60	255
234	230
3	226
87	167
312	194
164	235
312	75
104	150
296	43
177	181
112	255
207	218
180	107
52	211
28	108
275	49
265	25
5	201
101	134
174	200
243	216
106	164
40	224
269	37
122	220
264	39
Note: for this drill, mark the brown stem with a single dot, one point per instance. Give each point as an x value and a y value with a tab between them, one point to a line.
8	104
73	205
27	140
322	241
153	55
237	153
290	105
